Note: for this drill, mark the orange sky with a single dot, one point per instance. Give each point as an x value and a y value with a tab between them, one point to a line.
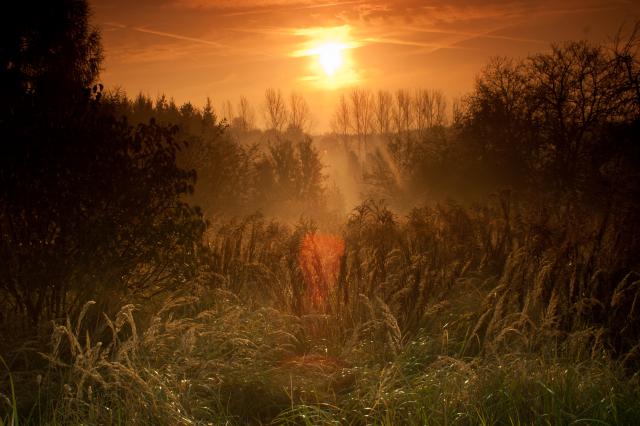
191	49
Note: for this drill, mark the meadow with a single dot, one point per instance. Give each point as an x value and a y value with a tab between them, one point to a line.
419	264
443	317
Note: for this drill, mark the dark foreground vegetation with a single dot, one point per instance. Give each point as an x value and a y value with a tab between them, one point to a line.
497	284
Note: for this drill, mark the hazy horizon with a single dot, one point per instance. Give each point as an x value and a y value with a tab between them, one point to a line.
414	213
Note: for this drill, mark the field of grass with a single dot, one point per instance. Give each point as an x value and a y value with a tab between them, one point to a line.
139	287
450	315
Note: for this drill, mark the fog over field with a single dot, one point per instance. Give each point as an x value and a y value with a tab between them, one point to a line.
358	213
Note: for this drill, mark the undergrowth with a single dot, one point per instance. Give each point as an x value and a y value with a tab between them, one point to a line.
450	316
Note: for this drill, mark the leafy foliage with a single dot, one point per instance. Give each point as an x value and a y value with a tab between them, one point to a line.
88	205
520	309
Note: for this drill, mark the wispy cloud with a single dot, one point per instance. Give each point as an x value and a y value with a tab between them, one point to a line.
190	47
166	34
178	37
261	5
475	35
401	42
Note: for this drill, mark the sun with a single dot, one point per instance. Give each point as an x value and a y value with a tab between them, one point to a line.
330	57
329	50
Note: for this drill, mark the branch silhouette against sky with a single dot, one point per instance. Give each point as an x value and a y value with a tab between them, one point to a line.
191	49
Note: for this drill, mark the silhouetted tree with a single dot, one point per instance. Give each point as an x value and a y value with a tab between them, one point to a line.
246	115
341	122
90	207
275	110
383	108
498	137
48	49
403	113
299	113
548	118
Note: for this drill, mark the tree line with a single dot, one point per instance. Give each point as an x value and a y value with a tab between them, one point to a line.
564	121
98	191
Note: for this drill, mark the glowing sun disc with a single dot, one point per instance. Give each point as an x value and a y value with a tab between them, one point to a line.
330	57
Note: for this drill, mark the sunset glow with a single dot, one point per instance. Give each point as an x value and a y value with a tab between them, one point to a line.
224	49
330	57
328	49
385	212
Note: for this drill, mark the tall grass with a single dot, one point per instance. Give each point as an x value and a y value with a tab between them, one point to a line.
452	315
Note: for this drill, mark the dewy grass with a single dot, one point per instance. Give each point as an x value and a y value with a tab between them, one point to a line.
418	329
12	418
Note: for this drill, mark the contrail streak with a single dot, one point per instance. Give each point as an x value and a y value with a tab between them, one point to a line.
381	40
289	8
166	34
